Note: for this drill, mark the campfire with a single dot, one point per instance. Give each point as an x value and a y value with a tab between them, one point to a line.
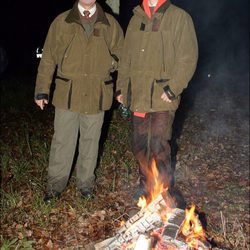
159	225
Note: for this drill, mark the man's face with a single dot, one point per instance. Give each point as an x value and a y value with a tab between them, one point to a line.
87	3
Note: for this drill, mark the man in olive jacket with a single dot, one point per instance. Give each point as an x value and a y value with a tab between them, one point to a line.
83	45
159	58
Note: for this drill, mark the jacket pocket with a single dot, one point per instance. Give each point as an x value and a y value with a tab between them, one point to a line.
63	93
107	93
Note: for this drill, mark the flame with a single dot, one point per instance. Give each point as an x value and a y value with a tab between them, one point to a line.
154	186
157	185
142	203
192	228
122	223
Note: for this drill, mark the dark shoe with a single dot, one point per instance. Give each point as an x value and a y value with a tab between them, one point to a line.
50	196
140	191
87	193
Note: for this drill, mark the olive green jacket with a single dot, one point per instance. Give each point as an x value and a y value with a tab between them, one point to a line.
83	65
159	55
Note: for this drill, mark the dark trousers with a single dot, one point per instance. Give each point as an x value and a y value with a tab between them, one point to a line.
150	140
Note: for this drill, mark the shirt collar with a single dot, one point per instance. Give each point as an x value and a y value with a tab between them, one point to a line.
92	10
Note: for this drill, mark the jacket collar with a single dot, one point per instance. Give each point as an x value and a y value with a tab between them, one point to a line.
73	16
160	8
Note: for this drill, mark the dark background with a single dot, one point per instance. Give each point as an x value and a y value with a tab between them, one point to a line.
220	83
222	29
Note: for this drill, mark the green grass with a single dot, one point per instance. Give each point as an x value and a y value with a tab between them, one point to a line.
9	200
5	160
16	244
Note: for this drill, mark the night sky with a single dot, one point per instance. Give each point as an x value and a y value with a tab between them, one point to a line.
222	29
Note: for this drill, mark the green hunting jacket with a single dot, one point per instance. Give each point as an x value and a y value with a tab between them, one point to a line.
83	65
159	55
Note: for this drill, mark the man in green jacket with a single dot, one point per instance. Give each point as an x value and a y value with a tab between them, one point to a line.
159	58
83	46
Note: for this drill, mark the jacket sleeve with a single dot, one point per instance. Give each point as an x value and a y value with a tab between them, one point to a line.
47	65
123	80
117	39
186	51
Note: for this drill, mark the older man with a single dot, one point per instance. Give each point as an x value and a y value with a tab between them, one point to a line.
159	58
83	46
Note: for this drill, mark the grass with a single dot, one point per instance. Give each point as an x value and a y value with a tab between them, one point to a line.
24	159
16	244
5	160
9	200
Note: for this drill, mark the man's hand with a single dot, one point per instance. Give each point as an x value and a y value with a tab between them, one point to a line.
41	103
119	98
165	98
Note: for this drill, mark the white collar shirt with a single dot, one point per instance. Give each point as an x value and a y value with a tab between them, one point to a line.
91	11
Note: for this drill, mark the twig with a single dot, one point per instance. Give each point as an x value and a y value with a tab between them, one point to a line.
224	227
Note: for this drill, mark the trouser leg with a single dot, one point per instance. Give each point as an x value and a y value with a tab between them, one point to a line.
140	148
150	136
66	126
161	123
90	131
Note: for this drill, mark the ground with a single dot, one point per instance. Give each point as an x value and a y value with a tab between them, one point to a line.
211	163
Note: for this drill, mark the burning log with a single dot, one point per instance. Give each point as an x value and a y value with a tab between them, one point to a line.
177	235
143	222
167	227
143	243
149	220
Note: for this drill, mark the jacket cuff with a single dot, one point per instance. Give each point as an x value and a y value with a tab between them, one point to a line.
169	93
42	96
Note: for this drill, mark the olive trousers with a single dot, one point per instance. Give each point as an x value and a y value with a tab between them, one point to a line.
68	127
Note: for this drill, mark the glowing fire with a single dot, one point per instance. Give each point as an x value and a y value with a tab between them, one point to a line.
192	228
142	203
122	223
154	186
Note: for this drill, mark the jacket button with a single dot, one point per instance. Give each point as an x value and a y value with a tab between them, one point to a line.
85	74
143	50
